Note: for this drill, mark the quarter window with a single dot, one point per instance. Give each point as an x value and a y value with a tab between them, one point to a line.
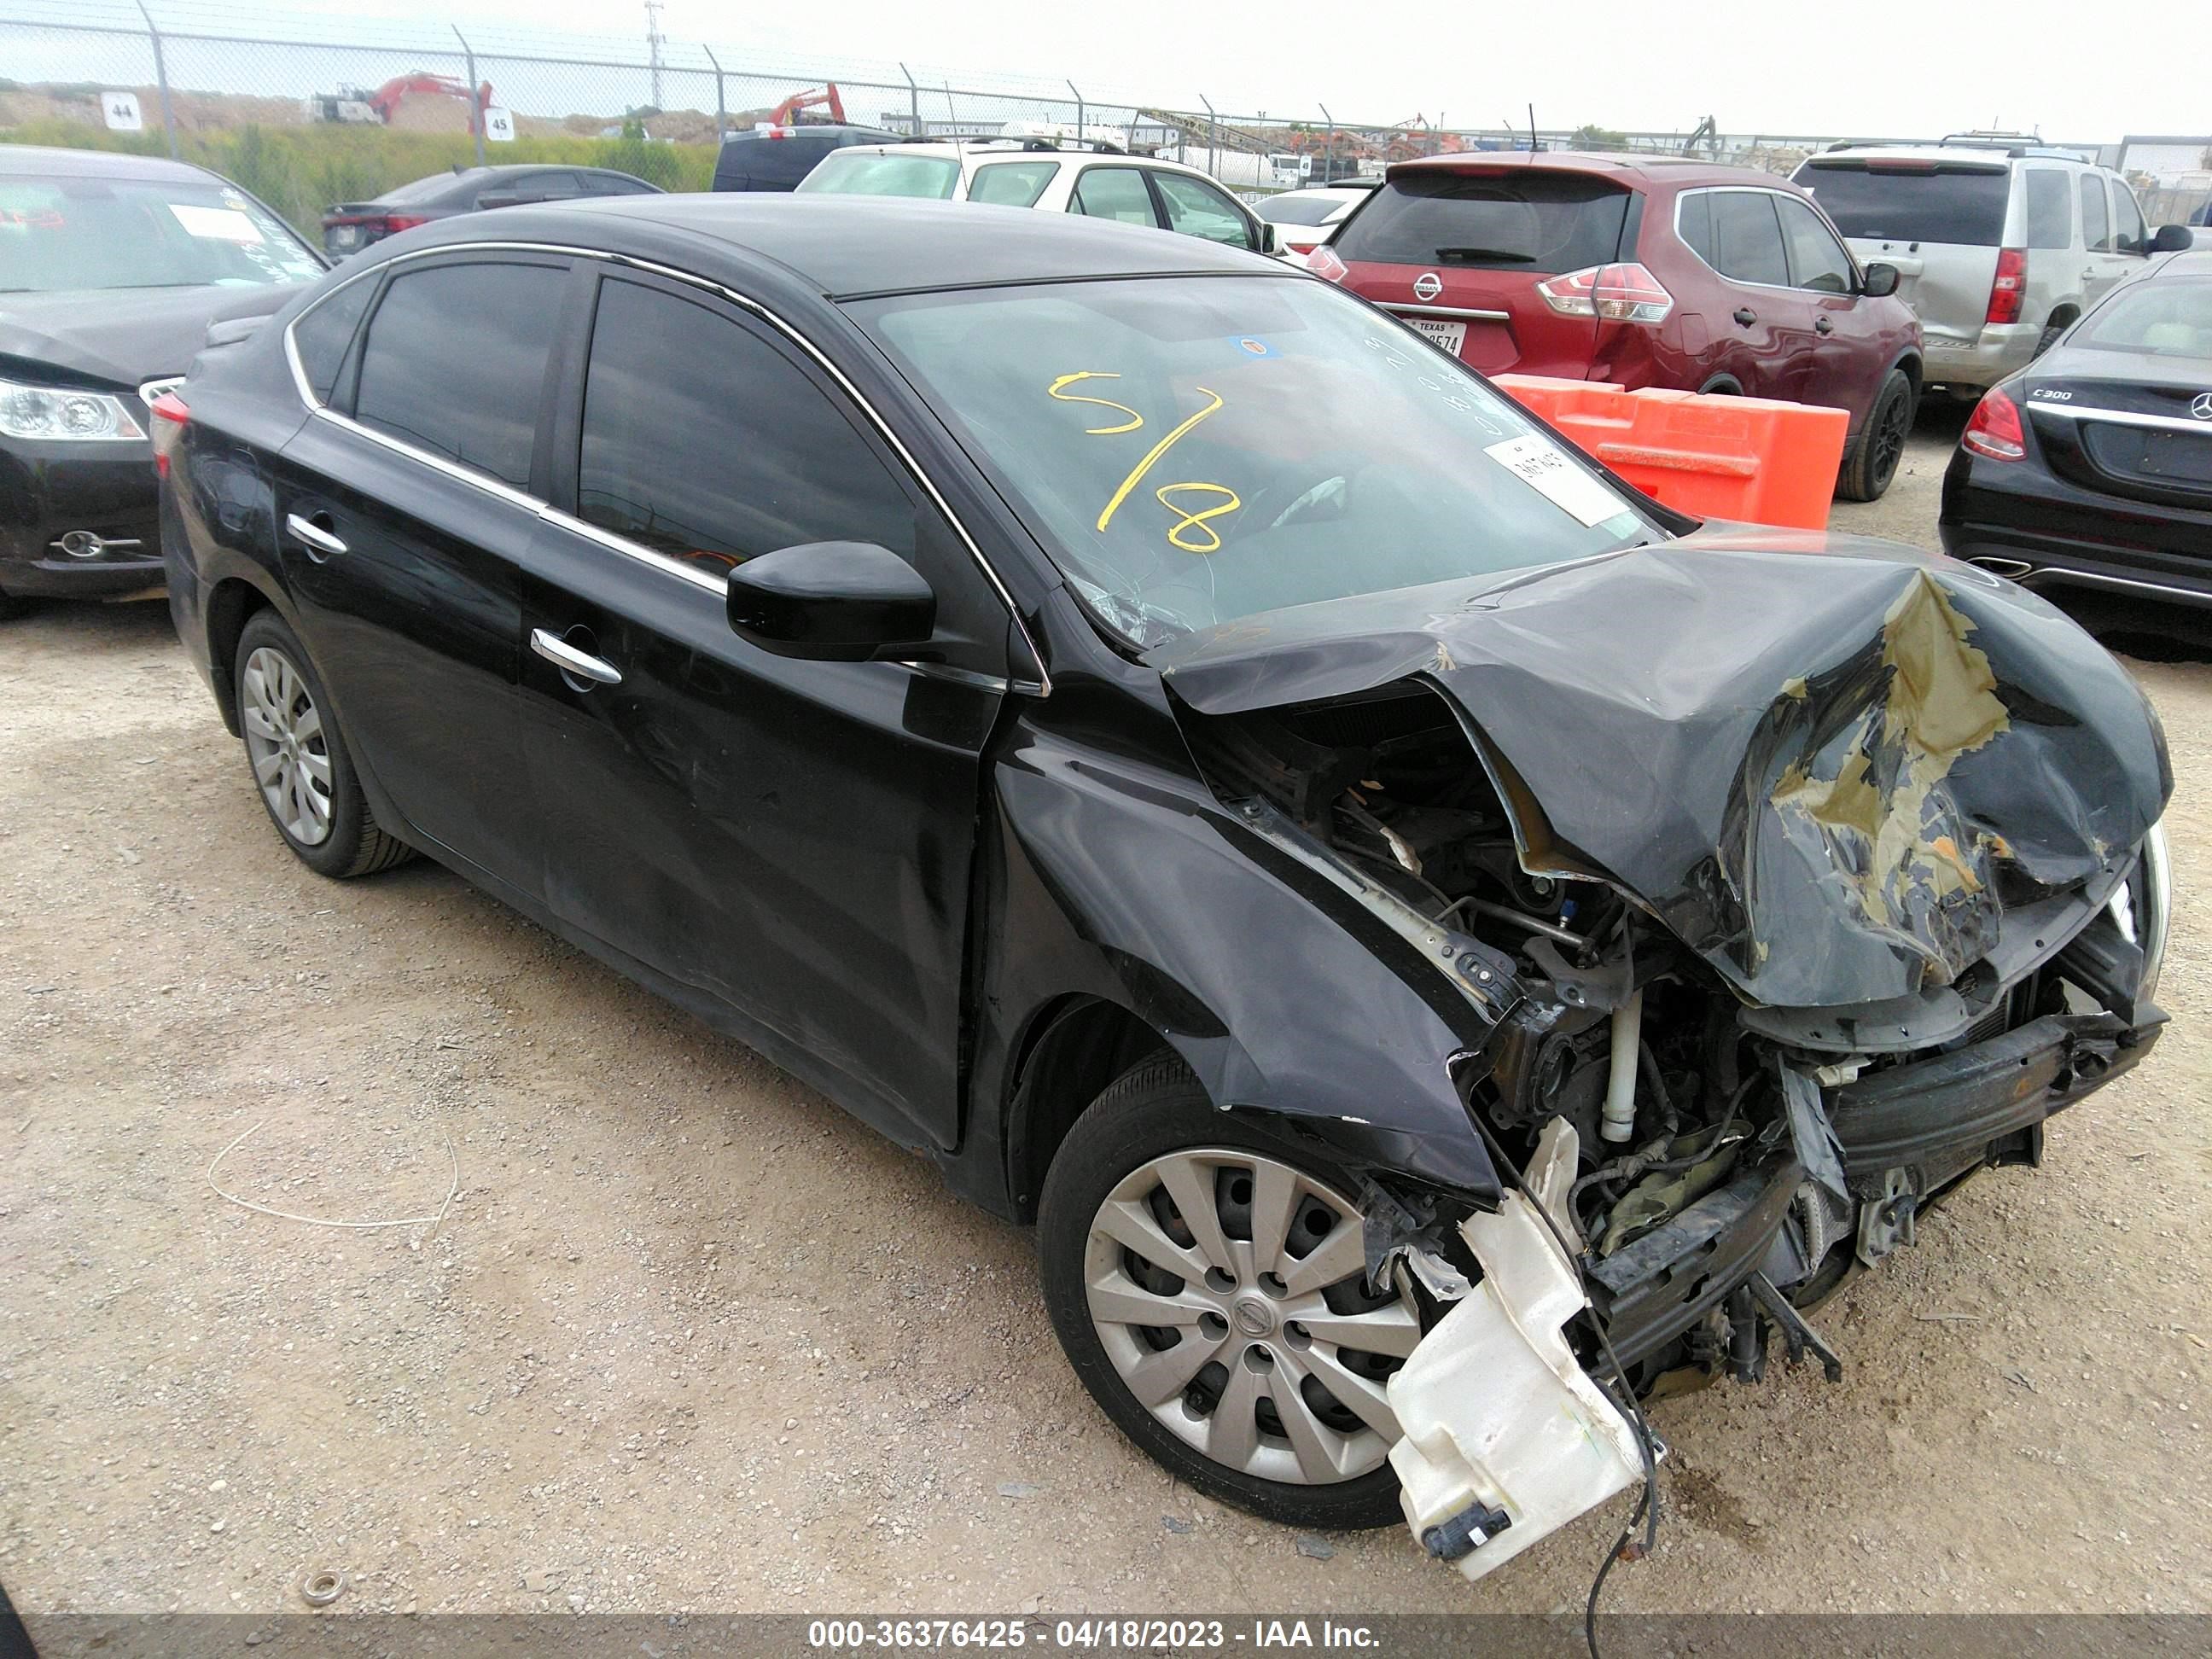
2096	222
455	363
2049	208
1012	184
703	440
1117	193
1747	238
1817	259
322	335
1197	209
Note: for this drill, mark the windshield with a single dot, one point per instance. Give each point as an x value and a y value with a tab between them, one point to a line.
78	232
1192	450
1911	202
2164	319
1297	208
1541	222
862	173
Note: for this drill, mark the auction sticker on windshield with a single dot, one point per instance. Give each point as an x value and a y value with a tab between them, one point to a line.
1541	464
1447	331
218	224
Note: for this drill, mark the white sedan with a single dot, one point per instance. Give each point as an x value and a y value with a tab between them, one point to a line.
1304	218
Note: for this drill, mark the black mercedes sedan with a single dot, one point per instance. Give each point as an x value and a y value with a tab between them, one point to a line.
2092	467
1436	943
112	267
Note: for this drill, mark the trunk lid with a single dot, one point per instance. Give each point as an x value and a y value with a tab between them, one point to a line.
2124	423
1458	254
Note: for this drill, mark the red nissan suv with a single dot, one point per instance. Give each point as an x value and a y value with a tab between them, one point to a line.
1649	270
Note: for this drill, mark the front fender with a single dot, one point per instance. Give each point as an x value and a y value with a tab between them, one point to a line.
1124	879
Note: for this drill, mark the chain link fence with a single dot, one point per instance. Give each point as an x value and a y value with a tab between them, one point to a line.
304	123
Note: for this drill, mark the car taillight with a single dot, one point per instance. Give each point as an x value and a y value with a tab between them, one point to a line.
1324	264
1994	429
393	223
1620	294
2010	287
171	417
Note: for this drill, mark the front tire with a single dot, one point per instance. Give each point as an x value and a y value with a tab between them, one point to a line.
1207	1280
298	758
1874	458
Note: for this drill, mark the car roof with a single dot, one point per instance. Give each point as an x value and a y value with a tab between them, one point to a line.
1637	172
20	161
843	247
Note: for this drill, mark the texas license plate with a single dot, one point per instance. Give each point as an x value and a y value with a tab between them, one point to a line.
1448	332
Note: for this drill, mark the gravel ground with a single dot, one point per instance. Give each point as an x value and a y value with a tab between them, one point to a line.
689	1337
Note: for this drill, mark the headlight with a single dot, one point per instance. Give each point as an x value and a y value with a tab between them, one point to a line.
2142	905
64	415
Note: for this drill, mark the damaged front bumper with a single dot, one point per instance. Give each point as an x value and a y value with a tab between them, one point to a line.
1508	1437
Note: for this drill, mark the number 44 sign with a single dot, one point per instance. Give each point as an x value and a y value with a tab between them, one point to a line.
121	112
499	124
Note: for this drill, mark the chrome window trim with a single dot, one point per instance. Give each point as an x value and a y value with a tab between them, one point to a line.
1041	686
1858	271
2122	417
2065	575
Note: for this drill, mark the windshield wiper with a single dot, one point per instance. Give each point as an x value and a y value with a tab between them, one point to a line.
1504	255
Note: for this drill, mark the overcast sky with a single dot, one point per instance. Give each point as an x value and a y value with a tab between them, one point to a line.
2075	70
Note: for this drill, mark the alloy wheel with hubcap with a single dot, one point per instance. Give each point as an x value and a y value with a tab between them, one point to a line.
285	741
1228	1291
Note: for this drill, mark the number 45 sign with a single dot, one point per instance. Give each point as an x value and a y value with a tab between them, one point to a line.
499	124
121	111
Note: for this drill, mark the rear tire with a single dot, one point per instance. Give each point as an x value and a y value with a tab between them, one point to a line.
298	758
1257	1390
1873	462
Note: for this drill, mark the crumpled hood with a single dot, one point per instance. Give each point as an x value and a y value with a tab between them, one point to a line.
1827	763
126	336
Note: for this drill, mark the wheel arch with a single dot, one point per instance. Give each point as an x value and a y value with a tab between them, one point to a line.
231	604
1071	1051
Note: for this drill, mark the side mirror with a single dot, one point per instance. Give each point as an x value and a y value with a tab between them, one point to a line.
1881	281
831	602
1269	241
2172	239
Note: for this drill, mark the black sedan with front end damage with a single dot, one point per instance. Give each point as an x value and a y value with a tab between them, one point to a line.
1437	945
111	268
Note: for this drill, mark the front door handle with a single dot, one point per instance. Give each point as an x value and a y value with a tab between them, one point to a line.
569	660
1745	316
314	533
1822	325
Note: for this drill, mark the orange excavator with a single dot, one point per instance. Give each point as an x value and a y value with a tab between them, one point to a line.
353	104
786	113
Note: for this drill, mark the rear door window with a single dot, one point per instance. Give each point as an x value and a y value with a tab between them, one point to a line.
1747	238
1116	193
1817	259
1541	222
454	362
2049	208
1197	209
1012	184
1915	202
2129	235
2096	219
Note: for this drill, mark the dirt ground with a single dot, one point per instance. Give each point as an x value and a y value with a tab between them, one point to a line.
690	1338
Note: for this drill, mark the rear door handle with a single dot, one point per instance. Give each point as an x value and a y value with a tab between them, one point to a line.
315	533
565	657
1746	316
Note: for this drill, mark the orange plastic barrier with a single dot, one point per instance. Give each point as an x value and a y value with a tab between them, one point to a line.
1748	459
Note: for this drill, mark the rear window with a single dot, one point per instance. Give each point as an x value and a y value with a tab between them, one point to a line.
1297	208
1949	205
861	173
1543	223
437	186
2165	319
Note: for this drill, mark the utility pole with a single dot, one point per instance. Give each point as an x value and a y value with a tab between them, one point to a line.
653	41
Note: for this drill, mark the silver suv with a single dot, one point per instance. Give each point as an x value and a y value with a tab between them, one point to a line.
1998	243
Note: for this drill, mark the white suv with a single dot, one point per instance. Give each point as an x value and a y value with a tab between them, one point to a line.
1058	175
